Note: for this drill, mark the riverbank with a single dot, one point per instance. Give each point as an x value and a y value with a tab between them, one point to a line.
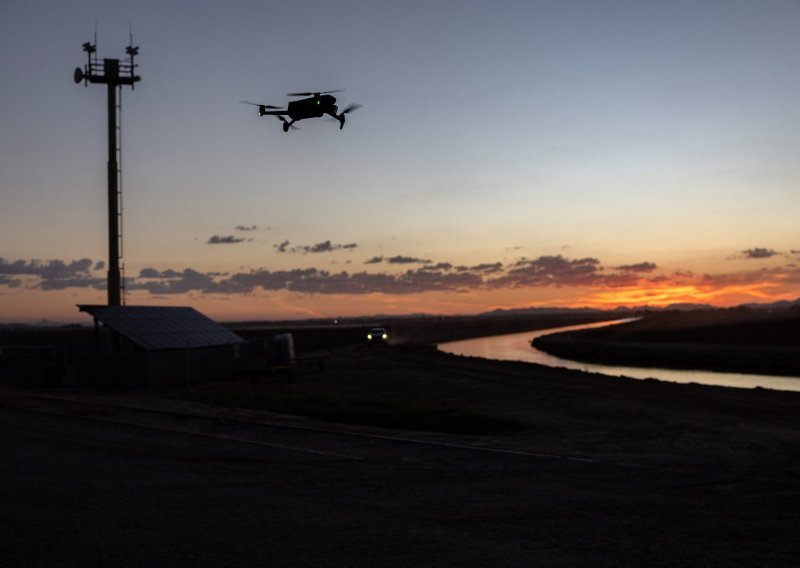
568	412
740	341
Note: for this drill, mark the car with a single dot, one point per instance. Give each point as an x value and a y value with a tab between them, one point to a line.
377	335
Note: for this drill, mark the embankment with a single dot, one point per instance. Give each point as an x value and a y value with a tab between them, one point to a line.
739	341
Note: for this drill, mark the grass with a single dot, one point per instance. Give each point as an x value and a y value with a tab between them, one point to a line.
400	414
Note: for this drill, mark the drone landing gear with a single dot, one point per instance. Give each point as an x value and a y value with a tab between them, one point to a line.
339	117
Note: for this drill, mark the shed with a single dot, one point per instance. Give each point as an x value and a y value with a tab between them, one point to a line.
158	346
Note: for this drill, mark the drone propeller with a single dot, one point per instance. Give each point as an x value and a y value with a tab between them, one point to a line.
258	105
314	94
351	108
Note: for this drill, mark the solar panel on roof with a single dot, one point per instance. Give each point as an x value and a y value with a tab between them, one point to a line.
154	328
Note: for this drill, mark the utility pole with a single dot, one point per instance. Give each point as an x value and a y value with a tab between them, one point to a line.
113	74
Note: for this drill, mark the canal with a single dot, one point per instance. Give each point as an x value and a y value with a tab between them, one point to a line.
517	347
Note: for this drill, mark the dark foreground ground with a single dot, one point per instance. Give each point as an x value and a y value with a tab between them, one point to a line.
609	472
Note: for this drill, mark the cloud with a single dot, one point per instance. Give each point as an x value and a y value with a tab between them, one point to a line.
400	259
246	227
10	282
551	271
174	282
486	268
246	282
153	273
324	246
542	272
16	267
759	253
74	282
49	269
438	266
638	267
230	239
409	282
307	281
54	274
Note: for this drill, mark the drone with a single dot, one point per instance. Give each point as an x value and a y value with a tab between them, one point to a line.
314	106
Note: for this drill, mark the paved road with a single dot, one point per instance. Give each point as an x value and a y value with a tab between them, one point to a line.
75	492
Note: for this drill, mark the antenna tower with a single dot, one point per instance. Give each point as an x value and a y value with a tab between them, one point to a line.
114	74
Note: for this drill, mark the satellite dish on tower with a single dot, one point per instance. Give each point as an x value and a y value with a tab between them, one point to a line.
78	75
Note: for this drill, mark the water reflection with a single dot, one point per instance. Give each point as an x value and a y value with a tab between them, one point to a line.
517	347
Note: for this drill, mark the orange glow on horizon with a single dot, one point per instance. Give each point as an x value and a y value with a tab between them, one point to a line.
662	296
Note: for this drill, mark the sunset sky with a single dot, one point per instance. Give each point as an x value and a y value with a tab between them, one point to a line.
508	154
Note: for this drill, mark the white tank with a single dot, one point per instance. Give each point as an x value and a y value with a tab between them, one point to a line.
282	348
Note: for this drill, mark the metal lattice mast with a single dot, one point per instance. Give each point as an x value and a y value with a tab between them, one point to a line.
114	74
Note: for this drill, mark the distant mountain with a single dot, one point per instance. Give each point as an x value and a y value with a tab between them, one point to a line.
38	325
14	325
689	307
542	311
681	307
779	305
